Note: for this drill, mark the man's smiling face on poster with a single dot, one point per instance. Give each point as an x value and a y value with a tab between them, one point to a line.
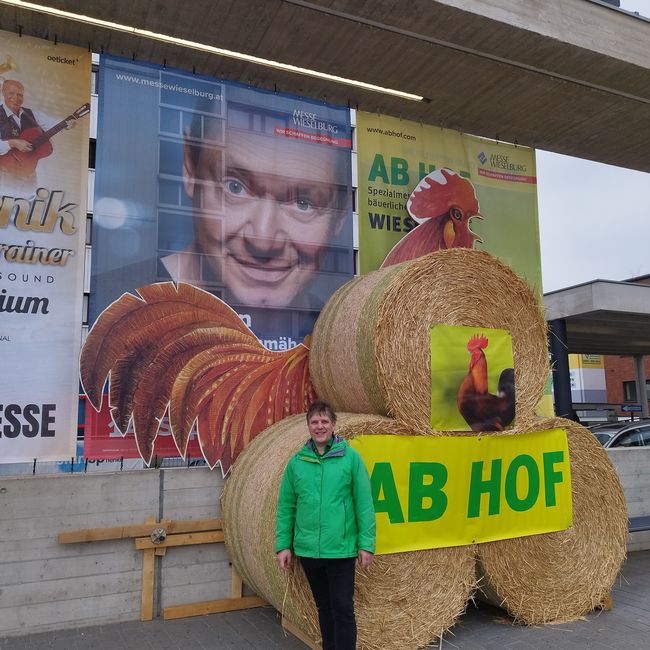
13	94
281	206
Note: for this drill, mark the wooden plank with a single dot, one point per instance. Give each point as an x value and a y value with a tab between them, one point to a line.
299	634
212	607
235	584
148	565
138	530
209	537
146	607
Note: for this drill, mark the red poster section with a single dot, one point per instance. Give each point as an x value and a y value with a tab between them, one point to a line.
102	440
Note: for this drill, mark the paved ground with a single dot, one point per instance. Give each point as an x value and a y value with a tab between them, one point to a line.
625	627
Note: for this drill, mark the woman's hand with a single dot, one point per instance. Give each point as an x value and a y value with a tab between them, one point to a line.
364	558
283	558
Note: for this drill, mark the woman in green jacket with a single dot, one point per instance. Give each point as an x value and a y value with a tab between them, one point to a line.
327	519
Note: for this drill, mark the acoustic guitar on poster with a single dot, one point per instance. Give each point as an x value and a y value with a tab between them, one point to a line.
24	162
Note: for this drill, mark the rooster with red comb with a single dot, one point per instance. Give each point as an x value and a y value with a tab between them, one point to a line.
480	409
443	203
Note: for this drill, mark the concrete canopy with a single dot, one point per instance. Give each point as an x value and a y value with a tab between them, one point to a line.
603	317
570	76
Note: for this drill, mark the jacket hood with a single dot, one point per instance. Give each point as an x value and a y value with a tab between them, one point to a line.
335	447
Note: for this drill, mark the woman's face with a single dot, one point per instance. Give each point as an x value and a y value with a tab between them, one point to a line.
321	428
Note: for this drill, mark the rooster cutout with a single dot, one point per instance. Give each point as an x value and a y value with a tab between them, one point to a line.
480	409
178	348
443	203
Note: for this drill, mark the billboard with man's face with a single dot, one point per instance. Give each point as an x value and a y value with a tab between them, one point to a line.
241	192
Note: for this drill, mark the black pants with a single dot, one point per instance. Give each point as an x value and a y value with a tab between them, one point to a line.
332	584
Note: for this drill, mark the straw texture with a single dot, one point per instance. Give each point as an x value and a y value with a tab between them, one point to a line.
370	348
557	577
402	601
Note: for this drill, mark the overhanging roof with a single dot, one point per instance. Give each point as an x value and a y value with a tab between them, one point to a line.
569	76
603	317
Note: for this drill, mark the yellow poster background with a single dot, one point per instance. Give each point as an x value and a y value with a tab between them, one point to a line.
470	516
503	176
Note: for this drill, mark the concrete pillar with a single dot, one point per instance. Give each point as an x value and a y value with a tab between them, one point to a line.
640	384
561	377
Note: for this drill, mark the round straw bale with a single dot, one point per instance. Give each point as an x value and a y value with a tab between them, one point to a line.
370	349
404	600
558	577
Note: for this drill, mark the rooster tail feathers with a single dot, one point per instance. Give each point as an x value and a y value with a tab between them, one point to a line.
177	347
506	382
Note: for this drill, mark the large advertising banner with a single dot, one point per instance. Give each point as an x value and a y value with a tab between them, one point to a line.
43	188
440	491
424	188
241	192
460	190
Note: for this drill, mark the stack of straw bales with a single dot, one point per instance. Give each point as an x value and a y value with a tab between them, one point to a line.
370	355
403	600
370	348
558	577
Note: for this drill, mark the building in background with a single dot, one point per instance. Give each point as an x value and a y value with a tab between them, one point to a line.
587	378
620	373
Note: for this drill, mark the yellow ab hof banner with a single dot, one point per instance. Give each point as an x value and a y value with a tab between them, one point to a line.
440	491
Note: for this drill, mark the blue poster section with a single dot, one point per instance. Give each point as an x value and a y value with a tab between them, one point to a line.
242	192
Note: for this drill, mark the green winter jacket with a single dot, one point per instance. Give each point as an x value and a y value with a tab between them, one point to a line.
325	507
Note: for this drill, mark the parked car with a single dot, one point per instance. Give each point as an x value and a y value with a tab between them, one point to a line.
605	431
636	434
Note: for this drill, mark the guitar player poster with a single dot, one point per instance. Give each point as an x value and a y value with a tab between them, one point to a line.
44	123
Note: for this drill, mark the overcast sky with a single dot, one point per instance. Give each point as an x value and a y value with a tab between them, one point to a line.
640	6
594	219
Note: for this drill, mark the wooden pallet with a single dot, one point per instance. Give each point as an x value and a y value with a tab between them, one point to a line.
153	538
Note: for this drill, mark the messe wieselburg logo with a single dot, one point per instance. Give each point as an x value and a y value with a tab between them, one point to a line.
312	121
